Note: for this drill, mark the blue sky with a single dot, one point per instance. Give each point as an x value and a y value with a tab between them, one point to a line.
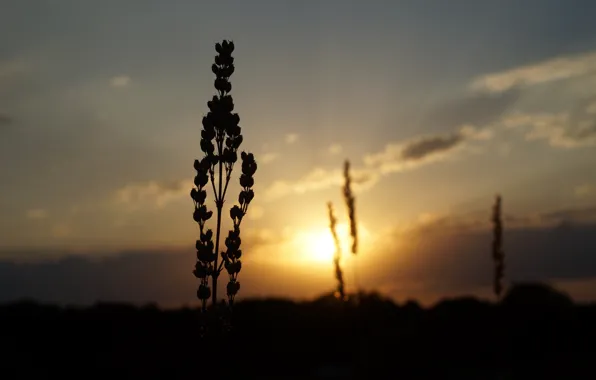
101	102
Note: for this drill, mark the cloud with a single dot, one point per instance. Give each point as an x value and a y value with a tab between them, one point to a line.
442	255
570	216
120	81
554	69
411	153
267	158
132	275
157	193
320	179
429	145
291	138
139	277
478	222
317	179
335	149
472	109
61	230
393	158
255	212
584	190
561	130
37	214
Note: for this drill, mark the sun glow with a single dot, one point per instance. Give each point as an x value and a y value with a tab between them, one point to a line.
316	245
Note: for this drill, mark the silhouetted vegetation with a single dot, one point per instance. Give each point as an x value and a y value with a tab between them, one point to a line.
339	276
535	332
350	206
221	138
497	248
351	209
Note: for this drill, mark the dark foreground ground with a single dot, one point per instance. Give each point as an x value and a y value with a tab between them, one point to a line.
535	333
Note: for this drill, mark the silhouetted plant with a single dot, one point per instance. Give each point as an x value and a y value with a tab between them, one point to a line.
351	207
497	248
350	204
337	256
220	140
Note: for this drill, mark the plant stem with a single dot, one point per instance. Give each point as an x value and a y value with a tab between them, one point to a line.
219	204
355	272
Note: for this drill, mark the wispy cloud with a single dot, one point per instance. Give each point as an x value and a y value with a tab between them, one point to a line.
411	153
319	179
561	130
428	146
256	212
267	158
120	81
554	69
155	193
584	190
335	149
479	109
393	158
36	214
291	138
568	127
61	230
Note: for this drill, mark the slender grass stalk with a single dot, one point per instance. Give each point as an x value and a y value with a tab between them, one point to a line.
220	140
351	207
497	248
340	293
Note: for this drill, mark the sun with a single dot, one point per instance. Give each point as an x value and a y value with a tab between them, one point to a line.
318	246
315	245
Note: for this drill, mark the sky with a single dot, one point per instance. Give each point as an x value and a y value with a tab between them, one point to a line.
437	105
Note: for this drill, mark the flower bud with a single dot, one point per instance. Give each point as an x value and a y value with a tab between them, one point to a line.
197	216
204	292
236	212
233	288
201	179
246	181
207	146
249	195
200	271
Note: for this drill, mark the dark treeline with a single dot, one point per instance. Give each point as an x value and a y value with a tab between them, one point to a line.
535	332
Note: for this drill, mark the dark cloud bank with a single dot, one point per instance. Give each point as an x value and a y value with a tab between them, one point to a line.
446	258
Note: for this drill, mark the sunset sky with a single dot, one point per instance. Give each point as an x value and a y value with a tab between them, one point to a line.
438	104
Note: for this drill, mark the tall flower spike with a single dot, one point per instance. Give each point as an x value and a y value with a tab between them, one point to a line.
233	252
221	137
497	248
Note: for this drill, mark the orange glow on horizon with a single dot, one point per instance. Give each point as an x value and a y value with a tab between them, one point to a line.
315	245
